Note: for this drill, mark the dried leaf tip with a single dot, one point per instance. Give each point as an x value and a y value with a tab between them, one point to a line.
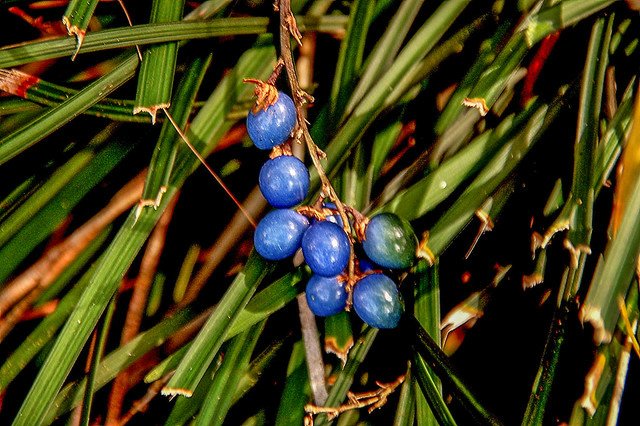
171	392
332	346
16	82
74	30
478	103
424	252
588	401
152	110
592	315
266	94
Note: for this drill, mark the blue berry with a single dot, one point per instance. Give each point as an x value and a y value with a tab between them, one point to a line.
326	295
273	126
279	234
390	241
377	301
326	248
284	181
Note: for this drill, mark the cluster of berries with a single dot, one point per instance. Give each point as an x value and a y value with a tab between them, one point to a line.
388	242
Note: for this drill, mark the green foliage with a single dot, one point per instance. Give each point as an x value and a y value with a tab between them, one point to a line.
449	114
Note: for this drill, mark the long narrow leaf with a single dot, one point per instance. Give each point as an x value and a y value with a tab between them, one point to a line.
209	340
117	38
56	117
225	382
118	360
155	79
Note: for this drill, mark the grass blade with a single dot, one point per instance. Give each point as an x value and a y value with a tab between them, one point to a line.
541	388
612	278
431	392
257	368
484	58
45	221
489	179
371	106
338	338
42	334
561	15
261	306
430	191
71	395
155	79
117	38
580	204
426	310
268	301
210	338
96	357
45	93
406	412
185	409
58	180
419	45
225	382
386	49
163	158
350	56
297	390
345	379
436	359
587	134
77	16
56	117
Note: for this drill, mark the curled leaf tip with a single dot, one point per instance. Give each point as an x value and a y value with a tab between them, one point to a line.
341	351
532	280
575	251
266	94
593	316
152	110
74	30
588	399
171	392
558	226
478	103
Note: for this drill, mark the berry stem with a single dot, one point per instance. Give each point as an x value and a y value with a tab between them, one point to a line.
289	28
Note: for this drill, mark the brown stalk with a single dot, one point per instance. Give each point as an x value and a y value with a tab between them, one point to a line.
372	399
23	291
308	326
141	404
176	341
313	352
289	28
137	304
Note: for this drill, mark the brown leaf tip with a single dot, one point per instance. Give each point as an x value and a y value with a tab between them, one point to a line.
16	82
341	351
593	315
478	103
167	391
266	94
530	281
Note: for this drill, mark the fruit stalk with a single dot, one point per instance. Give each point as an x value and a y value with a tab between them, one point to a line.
289	28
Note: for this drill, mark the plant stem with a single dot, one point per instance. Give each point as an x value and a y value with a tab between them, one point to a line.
288	28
